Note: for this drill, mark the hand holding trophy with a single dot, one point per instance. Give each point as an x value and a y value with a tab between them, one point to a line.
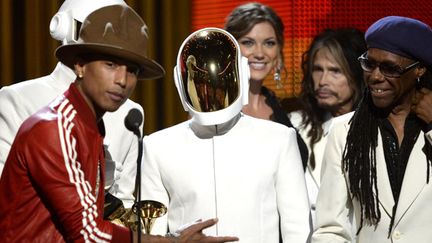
149	211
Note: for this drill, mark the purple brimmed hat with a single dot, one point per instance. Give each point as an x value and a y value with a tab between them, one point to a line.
402	36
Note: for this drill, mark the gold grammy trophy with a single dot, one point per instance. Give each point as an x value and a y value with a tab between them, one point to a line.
149	211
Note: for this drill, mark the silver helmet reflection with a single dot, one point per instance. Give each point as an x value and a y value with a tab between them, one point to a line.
211	76
65	24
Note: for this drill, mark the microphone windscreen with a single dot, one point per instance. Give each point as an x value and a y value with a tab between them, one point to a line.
133	120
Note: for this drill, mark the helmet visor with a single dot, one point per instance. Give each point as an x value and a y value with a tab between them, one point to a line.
209	71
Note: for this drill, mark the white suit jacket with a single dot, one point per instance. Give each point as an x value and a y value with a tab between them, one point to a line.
413	218
251	178
19	101
312	176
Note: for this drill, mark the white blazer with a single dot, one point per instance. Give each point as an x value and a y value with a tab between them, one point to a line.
413	218
251	178
312	176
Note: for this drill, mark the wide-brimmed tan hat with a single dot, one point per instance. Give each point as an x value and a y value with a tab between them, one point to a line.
117	31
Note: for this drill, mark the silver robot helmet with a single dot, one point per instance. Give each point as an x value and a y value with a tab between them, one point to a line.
65	24
211	76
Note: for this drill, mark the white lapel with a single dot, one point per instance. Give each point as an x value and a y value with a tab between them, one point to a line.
384	189
414	178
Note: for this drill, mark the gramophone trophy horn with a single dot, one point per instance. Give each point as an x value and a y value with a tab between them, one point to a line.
150	211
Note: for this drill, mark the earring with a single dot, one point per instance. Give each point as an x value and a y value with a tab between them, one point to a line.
80	75
418	80
277	78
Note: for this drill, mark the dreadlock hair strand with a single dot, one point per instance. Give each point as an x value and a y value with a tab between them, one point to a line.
359	160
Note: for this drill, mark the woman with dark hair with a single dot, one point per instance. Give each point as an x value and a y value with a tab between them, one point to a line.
332	86
259	31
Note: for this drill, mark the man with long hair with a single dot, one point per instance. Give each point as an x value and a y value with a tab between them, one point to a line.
377	160
332	86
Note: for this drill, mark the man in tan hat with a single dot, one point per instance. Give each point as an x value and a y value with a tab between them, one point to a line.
52	186
19	101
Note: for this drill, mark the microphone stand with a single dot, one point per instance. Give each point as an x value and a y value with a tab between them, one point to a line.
138	186
133	121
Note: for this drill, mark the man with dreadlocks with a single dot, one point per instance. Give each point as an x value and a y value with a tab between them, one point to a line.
378	159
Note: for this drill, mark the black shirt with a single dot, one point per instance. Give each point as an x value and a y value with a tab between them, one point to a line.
397	157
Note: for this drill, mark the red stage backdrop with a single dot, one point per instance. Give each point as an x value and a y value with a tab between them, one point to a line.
303	19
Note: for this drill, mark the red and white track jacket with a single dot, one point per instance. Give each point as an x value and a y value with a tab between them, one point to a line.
51	189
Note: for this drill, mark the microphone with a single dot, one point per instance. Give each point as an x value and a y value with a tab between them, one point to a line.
133	121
